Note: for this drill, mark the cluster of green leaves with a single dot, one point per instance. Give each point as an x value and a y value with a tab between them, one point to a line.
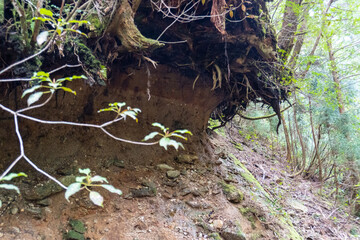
165	140
51	86
117	108
88	182
9	177
59	24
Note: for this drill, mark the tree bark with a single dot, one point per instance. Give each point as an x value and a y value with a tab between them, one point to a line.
335	75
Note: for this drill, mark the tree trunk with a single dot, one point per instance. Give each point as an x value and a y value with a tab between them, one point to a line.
335	75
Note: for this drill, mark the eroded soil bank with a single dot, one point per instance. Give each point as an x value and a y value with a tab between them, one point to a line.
223	186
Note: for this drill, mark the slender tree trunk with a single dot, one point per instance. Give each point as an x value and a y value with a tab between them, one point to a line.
316	147
317	40
335	75
302	145
289	27
288	144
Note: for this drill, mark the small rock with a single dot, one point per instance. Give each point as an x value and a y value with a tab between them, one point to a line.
194	204
164	167
44	202
147	191
232	194
14	210
73	235
185	191
218	224
187	158
119	163
36	212
173	174
226	235
218	162
77	226
1	234
46	189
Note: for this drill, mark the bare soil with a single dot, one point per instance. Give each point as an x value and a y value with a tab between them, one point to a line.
154	206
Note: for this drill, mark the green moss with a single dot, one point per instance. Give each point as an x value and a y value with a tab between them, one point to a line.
250	215
232	193
270	204
77	226
215	236
90	62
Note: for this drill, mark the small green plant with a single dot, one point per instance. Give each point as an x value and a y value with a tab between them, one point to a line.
52	85
87	182
59	24
9	177
166	141
116	107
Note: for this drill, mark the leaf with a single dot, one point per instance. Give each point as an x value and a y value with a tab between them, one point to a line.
243	8
30	90
41	74
183	131
80	179
42	19
231	13
98	178
96	198
46	12
85	171
42	37
68	90
72	189
79	22
10	187
159	125
150	136
178	135
164	142
13	175
203	2
34	98
112	189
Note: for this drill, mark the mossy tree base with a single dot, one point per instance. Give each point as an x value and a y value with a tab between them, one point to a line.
122	26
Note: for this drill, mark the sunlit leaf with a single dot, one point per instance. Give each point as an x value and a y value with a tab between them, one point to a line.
112	189
46	12
79	22
231	13
243	8
68	90
164	142
183	131
10	187
150	136
42	19
98	178
85	171
30	90
34	98
203	2
80	179
178	135
42	37
13	175
160	126
72	189
96	198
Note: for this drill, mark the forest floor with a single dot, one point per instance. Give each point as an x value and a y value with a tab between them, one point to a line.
183	198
